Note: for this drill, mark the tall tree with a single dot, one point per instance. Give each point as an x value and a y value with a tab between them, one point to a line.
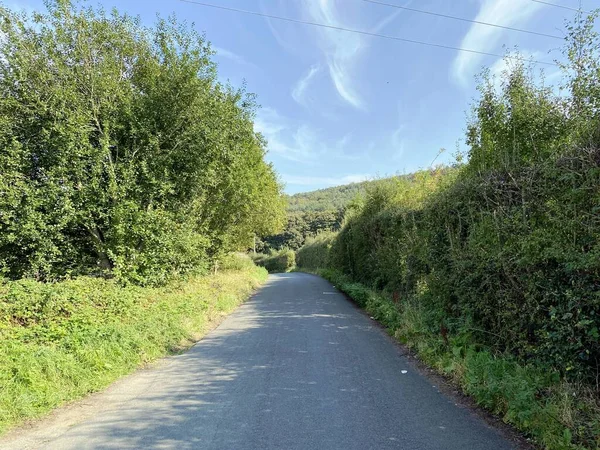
120	151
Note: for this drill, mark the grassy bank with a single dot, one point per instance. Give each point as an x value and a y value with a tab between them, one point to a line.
62	341
556	413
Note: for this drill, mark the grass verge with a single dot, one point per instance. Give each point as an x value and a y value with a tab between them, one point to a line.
59	342
557	414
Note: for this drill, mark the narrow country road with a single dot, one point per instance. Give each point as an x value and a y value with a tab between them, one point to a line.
297	367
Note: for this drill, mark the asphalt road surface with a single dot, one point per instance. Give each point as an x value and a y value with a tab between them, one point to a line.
296	367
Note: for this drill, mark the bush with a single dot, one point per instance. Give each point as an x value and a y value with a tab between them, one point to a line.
506	261
277	261
557	413
61	341
314	254
235	262
153	173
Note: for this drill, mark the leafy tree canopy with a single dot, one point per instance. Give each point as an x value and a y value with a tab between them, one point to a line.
120	151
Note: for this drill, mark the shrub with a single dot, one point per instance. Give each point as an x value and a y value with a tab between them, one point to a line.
314	254
277	261
235	262
511	253
559	414
153	173
493	265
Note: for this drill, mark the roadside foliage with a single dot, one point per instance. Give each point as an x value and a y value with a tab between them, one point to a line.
279	261
300	227
491	268
62	341
121	152
127	173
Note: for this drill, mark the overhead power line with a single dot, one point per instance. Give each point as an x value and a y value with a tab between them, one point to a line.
446	16
364	33
561	6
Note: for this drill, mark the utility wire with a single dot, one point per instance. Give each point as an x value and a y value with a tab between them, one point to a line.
461	19
364	33
562	6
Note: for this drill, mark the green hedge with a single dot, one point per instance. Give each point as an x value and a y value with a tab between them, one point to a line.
60	341
278	261
498	258
314	254
506	264
512	257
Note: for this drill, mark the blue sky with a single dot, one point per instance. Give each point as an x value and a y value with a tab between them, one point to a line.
338	107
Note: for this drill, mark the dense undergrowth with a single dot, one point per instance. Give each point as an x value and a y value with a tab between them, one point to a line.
557	413
277	260
61	341
491	269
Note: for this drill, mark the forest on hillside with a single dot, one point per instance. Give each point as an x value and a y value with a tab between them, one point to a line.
329	199
320	211
311	213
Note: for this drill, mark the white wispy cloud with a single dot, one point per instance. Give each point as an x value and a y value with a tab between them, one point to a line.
484	38
342	50
342	80
277	130
398	143
229	55
388	19
328	181
299	91
299	142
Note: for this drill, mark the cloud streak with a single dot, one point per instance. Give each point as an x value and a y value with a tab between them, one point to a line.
299	142
483	38
276	130
299	91
341	50
222	52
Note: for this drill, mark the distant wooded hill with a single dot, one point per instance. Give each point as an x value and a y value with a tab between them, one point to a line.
333	198
310	213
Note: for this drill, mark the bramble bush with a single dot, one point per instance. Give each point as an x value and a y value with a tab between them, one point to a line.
314	253
277	261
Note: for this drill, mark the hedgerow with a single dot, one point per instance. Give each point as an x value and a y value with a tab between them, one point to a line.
277	261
